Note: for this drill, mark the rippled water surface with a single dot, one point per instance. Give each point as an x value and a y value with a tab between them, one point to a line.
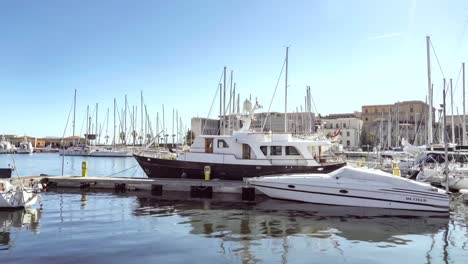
133	227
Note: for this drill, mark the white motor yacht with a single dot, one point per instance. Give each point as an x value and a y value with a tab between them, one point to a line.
354	187
25	147
245	153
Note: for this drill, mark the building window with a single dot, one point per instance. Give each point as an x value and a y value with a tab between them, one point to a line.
290	150
347	133
344	125
367	119
276	150
348	143
367	111
411	109
337	125
375	110
264	150
222	144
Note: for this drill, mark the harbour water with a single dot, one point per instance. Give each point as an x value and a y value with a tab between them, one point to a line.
51	164
108	227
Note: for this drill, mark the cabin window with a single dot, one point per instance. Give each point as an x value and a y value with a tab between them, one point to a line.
264	150
222	144
276	150
290	150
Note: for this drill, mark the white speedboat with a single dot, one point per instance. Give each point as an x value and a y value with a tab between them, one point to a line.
354	187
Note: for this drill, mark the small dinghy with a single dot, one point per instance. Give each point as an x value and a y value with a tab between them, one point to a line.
349	186
14	196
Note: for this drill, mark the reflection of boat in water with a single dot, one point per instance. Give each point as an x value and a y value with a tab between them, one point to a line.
233	221
28	218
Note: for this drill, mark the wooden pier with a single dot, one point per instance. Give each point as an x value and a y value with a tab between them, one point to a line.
156	186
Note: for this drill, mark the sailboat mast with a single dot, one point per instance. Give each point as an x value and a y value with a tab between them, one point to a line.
286	94
157	128
224	101
141	124
107	127
97	105
87	125
113	140
445	144
451	102
429	84
164	127
74	117
230	102
464	113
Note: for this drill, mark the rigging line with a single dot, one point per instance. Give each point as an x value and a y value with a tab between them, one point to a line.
66	125
437	58
273	97
458	78
313	102
212	102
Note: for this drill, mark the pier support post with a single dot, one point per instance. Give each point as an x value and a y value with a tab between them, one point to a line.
248	194
156	189
201	192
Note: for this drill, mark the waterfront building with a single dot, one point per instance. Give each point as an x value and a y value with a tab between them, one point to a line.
41	142
348	125
386	125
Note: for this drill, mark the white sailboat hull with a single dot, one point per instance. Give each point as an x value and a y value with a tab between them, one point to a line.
18	198
342	188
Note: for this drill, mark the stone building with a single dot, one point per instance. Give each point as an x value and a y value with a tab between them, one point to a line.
406	119
349	126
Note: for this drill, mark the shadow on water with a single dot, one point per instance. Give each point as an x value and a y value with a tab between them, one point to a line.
26	218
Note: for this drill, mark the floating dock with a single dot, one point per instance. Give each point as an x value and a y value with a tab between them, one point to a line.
156	186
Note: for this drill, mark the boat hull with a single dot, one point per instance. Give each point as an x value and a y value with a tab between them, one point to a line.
166	168
385	198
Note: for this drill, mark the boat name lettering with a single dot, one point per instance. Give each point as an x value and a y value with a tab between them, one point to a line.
416	199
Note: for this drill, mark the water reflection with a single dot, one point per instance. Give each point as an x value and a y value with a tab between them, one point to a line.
272	218
27	219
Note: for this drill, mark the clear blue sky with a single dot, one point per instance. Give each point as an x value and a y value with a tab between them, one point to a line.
350	52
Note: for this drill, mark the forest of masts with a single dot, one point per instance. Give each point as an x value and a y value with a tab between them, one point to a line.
131	125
